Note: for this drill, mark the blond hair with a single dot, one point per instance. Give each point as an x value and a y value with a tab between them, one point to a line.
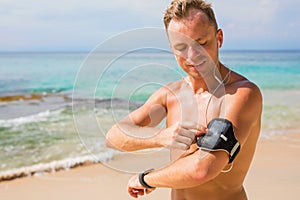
178	10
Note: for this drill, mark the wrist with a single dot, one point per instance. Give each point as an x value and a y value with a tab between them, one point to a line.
142	179
158	140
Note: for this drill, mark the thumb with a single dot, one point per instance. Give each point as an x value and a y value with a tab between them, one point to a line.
149	190
201	131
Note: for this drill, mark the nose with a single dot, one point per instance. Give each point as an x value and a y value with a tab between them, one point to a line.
193	53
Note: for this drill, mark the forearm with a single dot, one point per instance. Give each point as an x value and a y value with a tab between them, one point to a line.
125	137
186	172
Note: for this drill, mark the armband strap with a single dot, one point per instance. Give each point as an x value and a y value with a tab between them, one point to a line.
220	136
142	181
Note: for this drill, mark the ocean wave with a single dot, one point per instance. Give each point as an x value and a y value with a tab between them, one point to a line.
51	90
54	166
40	117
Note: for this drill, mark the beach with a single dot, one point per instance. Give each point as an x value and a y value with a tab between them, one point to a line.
52	131
273	175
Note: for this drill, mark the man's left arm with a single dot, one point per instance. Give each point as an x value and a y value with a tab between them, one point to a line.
243	110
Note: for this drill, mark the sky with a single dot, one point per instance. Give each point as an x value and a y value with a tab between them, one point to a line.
80	25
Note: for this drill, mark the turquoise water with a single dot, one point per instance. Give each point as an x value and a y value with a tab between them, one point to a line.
38	72
56	72
60	125
269	70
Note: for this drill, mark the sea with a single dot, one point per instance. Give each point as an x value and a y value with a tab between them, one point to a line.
55	108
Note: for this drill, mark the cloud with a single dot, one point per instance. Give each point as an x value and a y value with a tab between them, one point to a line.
81	25
250	17
31	24
259	24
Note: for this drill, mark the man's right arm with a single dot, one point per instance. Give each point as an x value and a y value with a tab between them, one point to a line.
138	130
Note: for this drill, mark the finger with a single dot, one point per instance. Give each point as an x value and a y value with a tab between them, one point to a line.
194	126
201	131
202	128
178	145
188	133
133	192
198	132
185	140
149	190
140	192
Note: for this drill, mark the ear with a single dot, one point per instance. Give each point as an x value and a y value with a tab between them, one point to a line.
219	37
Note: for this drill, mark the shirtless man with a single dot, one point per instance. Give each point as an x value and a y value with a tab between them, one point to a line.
188	105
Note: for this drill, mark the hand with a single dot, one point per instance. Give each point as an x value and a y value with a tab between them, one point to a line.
180	136
135	189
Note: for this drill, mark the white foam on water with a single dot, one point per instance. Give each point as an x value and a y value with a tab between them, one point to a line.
54	166
40	117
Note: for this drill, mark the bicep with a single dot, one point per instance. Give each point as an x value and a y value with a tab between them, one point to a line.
151	113
244	111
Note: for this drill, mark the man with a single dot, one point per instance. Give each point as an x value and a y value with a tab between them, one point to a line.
209	91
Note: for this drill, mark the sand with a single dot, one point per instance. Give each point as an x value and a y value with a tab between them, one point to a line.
273	175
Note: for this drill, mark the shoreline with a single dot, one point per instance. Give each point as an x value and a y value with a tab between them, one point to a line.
272	175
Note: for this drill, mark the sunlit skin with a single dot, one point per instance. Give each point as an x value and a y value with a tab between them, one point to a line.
195	44
194	174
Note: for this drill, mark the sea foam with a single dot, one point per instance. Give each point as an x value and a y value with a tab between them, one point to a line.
40	117
54	166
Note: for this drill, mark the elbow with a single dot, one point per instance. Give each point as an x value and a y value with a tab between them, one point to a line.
116	141
200	176
201	173
108	144
110	141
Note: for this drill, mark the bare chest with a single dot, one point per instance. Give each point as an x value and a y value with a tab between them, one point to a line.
184	106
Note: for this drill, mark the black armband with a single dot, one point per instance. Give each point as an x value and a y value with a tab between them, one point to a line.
220	137
142	181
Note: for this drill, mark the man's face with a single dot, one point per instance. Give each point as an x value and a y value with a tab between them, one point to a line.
194	42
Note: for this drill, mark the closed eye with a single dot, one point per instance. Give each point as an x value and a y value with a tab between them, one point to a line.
203	43
180	47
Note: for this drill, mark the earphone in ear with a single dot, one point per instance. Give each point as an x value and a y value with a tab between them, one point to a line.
219	44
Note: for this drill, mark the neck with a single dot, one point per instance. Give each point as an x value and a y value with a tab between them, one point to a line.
210	83
198	85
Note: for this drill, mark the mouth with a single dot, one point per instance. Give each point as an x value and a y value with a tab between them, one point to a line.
199	66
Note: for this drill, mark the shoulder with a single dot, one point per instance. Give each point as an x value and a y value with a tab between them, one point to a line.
175	86
242	89
172	88
244	98
161	95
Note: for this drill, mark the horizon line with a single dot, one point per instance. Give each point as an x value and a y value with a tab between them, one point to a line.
146	51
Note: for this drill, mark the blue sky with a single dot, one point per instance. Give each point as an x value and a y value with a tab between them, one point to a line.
77	25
